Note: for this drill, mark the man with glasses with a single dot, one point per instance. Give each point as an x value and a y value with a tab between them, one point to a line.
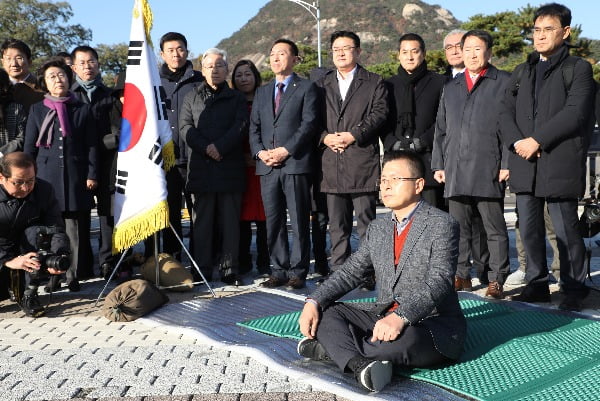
453	52
546	124
416	320
25	203
211	123
89	88
16	60
355	108
468	156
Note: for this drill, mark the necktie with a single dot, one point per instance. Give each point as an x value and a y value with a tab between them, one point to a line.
278	95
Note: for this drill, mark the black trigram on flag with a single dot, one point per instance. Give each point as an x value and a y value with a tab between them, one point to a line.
134	56
156	154
160	98
121	181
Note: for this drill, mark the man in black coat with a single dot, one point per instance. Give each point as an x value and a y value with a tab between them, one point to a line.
25	204
414	100
546	125
89	88
178	78
354	103
283	126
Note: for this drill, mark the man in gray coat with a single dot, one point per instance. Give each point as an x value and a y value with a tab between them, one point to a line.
416	320
468	157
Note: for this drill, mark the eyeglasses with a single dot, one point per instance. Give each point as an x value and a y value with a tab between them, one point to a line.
547	30
212	67
457	46
89	63
22	183
394	180
344	49
18	59
56	77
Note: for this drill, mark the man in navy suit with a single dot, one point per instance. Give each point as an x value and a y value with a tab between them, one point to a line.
283	127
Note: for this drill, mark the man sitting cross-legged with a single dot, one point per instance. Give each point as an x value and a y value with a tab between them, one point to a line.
416	320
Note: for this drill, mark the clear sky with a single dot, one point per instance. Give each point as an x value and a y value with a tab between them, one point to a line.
206	22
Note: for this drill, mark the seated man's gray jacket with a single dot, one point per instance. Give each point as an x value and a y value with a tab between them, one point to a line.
422	283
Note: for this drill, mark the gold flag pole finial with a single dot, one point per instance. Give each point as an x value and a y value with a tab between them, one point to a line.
144	7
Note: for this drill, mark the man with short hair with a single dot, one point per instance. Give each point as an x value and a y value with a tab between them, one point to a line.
468	157
178	78
283	126
416	320
453	52
355	107
546	125
25	203
414	100
212	120
90	89
16	60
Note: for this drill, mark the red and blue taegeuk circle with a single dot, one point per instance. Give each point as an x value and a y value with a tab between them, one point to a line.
133	118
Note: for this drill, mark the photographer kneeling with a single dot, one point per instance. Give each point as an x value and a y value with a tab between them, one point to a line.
32	236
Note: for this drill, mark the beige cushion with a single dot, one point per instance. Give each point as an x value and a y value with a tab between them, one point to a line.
172	273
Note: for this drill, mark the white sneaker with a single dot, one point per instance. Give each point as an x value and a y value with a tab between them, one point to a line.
516	278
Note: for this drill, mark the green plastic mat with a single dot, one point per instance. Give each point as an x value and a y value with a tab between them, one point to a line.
509	354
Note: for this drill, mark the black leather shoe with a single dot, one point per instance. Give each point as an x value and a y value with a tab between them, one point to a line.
539	293
571	303
296	283
311	348
232	279
74	286
273	282
31	305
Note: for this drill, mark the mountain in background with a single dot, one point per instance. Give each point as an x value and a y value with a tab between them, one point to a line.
378	23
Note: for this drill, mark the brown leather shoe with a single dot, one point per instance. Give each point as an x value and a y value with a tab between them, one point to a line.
272	282
295	283
463	284
494	290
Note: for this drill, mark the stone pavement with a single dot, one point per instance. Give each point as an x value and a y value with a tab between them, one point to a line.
75	353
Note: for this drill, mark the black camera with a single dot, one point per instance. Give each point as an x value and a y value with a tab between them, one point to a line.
591	212
47	258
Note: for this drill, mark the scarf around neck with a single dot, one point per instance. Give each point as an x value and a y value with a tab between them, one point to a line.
89	86
405	97
58	107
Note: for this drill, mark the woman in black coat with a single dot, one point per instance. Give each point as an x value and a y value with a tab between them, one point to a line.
61	135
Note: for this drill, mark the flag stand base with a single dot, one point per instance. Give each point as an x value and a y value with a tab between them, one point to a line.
116	269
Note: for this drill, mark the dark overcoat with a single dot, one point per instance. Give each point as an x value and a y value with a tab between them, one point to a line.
69	161
467	143
561	122
363	113
214	118
176	91
427	93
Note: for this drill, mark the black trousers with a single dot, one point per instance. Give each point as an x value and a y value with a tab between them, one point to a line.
319	220
491	211
340	208
571	249
77	228
217	229
282	194
345	332
262	249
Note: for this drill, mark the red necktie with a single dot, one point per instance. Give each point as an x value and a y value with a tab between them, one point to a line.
278	95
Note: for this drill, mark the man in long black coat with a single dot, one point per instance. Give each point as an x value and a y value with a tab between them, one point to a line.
414	100
355	109
546	124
